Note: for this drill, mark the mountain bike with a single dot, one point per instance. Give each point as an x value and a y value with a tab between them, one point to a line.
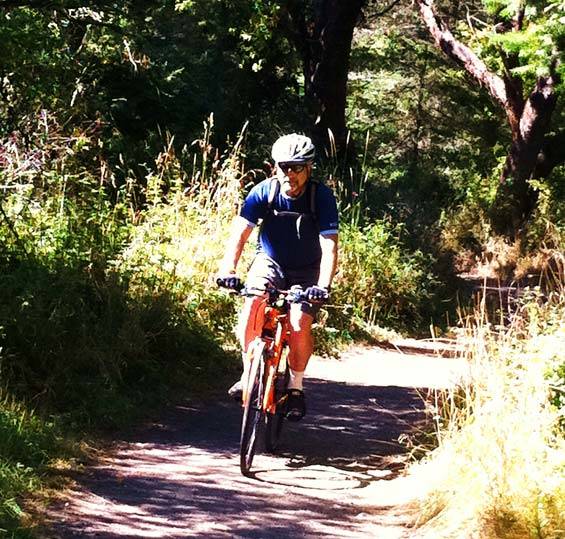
266	383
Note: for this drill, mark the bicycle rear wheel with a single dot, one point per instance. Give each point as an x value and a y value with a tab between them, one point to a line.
252	409
274	422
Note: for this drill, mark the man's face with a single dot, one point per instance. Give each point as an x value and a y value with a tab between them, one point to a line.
293	178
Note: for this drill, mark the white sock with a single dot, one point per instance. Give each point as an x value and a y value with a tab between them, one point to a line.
295	381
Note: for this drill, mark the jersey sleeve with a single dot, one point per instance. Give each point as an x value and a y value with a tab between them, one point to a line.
254	206
328	219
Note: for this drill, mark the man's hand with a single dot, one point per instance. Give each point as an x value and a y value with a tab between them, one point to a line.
232	282
317	293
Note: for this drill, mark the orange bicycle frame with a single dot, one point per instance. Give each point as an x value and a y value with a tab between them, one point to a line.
275	335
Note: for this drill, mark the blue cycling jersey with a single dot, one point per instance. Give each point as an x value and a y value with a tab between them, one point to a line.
291	239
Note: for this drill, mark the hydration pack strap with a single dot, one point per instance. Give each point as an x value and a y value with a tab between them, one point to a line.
274	191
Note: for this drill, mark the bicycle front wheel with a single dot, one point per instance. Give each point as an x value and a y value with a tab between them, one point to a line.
252	409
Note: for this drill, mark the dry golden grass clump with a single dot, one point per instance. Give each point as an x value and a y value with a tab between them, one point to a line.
499	469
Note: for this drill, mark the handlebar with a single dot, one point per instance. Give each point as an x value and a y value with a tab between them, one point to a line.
295	294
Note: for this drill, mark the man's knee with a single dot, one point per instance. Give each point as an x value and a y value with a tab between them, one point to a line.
300	322
250	319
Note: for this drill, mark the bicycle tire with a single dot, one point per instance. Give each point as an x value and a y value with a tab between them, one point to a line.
252	410
274	422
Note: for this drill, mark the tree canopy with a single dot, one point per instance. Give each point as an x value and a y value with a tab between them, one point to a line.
128	72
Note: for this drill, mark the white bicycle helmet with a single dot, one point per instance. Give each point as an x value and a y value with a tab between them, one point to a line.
293	148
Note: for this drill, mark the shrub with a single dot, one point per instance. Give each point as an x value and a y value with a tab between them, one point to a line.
26	444
380	280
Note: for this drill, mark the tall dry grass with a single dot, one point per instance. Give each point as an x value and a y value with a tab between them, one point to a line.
179	238
499	469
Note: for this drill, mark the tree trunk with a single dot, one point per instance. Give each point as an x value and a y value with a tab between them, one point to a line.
515	199
326	73
529	120
325	46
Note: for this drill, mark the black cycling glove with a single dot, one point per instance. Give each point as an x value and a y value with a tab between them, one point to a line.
231	281
317	293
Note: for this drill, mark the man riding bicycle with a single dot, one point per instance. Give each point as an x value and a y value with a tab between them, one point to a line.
298	245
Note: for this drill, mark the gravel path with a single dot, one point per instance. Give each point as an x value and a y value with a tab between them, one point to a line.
338	474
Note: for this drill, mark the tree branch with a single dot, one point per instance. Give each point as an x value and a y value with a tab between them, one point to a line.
462	54
384	11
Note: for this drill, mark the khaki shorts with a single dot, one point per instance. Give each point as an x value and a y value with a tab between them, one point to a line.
264	271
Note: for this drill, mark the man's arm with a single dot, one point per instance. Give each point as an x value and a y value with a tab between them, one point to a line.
328	265
239	234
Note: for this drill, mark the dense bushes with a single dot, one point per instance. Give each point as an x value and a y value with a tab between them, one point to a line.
382	281
89	348
89	331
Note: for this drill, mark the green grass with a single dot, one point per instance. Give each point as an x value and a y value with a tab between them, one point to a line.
27	443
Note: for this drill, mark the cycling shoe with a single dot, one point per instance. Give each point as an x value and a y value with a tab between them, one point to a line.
296	405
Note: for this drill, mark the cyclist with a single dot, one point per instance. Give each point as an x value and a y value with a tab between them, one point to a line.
298	245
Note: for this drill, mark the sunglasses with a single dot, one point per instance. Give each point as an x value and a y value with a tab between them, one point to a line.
285	167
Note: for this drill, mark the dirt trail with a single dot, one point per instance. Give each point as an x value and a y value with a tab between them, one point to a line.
338	473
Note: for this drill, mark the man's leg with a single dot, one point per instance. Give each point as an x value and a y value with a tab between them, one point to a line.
263	273
249	327
250	321
301	344
300	350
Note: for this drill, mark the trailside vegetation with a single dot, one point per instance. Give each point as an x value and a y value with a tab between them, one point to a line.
131	131
498	468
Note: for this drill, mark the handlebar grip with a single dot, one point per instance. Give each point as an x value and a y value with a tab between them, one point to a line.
231	283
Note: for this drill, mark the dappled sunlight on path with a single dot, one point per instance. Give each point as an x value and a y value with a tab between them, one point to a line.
337	474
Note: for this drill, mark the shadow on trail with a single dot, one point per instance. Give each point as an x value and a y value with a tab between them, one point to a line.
353	427
180	477
347	426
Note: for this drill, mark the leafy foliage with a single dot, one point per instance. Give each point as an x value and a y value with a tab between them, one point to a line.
379	279
436	137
